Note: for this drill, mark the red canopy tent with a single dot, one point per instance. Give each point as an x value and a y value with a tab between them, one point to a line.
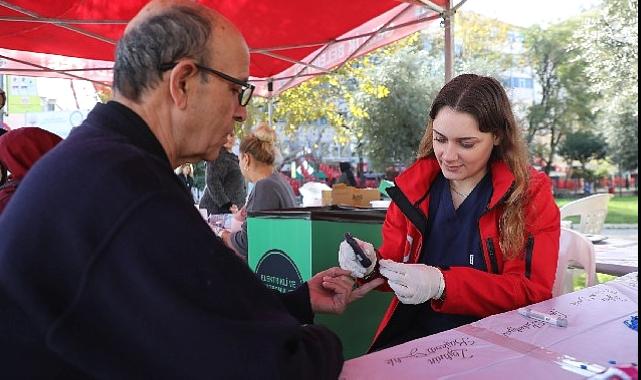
289	40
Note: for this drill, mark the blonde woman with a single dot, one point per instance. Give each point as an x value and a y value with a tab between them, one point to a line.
258	154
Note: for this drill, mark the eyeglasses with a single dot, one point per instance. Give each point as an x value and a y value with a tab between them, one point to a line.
246	89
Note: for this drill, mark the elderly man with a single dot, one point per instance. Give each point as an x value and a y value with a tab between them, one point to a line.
106	268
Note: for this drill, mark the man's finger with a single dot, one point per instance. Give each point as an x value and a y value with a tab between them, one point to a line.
366	288
346	281
335	272
336	288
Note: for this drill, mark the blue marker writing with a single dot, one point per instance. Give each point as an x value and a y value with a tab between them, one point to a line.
551	319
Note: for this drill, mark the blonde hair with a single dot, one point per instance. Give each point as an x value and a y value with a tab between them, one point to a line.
179	170
485	99
261	144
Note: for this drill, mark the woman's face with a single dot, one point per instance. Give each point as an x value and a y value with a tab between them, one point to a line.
231	138
461	149
185	169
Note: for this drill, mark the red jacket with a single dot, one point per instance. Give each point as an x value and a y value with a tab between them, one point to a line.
508	284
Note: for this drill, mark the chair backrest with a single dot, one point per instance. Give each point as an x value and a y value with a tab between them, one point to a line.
592	210
574	250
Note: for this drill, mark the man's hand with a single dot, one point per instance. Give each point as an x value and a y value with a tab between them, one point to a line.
331	290
413	283
348	261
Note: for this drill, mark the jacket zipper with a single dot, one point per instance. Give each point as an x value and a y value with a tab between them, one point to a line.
490	250
529	249
490	245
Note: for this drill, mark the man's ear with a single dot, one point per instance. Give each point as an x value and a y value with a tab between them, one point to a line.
180	80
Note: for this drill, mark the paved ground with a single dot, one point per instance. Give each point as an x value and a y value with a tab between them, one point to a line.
622	231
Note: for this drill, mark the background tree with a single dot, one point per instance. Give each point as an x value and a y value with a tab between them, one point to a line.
413	73
565	102
609	43
481	45
624	142
582	146
395	124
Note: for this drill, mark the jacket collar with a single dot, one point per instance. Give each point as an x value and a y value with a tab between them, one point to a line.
129	124
415	182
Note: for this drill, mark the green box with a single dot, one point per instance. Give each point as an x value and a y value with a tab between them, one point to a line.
287	247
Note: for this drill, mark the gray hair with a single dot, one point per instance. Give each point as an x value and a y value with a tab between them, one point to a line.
176	33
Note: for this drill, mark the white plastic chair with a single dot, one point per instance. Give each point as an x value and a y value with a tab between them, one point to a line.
592	210
574	250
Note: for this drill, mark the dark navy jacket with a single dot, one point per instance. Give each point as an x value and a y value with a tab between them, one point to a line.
108	271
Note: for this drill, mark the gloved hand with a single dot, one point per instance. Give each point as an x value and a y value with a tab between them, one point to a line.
413	283
348	261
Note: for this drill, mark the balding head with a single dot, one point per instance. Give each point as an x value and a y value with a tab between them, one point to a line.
157	7
163	32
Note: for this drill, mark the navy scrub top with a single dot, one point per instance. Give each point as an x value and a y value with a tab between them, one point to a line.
452	238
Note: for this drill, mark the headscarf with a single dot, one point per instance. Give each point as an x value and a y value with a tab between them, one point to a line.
19	150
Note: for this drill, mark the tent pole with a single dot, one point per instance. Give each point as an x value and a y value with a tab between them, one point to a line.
270	90
449	41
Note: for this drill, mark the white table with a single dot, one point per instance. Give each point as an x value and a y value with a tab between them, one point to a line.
617	257
509	345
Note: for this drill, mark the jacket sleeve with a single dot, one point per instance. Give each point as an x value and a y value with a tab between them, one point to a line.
394	234
215	173
169	300
472	292
395	242
298	303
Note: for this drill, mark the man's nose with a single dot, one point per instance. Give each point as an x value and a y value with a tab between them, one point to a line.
241	113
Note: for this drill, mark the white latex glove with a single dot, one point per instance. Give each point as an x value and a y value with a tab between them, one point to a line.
348	261
413	283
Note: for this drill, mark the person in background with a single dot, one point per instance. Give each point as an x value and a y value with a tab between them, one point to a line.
347	174
225	189
3	100
186	175
258	152
472	230
107	270
19	151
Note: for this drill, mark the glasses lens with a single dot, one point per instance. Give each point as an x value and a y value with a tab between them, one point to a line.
246	95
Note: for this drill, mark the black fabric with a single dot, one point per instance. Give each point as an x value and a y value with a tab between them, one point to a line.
187	181
413	214
108	271
225	184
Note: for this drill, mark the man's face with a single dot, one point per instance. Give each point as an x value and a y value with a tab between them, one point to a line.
215	107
